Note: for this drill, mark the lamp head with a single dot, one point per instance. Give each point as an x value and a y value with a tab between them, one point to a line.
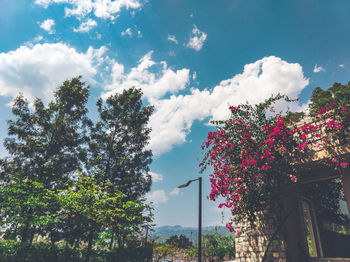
186	184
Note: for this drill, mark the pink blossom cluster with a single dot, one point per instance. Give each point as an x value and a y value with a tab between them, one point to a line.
244	153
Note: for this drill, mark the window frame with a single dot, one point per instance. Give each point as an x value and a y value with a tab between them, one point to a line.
344	176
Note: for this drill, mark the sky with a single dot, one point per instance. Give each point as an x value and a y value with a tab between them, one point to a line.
192	59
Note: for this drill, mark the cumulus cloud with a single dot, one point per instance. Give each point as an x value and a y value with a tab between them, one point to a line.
48	25
318	69
156	177
105	9
197	39
127	32
36	71
172	38
174	116
341	65
154	84
157	197
86	26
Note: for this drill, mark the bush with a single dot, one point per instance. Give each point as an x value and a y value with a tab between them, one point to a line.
12	251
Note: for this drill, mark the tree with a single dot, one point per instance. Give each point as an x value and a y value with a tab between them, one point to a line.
215	247
337	93
25	207
179	241
118	143
71	179
46	144
90	206
164	250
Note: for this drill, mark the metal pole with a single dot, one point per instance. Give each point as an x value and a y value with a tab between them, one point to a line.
200	221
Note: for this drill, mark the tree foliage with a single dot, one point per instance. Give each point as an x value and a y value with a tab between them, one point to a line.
118	140
71	179
215	247
337	93
179	241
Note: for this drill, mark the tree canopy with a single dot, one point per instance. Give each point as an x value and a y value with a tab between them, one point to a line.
71	178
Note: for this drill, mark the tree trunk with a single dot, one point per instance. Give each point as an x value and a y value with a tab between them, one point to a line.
91	234
52	239
112	240
24	233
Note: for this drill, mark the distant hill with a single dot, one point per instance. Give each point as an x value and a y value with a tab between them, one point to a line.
165	232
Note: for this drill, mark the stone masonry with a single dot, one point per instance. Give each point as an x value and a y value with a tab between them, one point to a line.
251	245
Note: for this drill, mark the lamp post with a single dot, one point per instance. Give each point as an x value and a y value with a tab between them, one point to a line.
199	213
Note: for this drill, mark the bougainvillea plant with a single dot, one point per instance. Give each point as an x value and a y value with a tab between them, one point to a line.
255	151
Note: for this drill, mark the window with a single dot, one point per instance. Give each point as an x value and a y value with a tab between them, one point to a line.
326	218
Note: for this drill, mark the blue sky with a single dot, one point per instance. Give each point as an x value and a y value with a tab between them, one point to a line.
191	58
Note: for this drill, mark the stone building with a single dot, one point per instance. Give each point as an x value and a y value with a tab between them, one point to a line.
314	221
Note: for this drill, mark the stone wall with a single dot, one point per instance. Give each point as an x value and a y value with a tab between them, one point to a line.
251	245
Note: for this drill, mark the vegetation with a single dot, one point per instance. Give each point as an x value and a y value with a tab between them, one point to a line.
337	93
179	241
73	180
215	247
254	154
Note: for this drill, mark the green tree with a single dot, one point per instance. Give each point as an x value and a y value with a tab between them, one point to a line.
118	143
337	93
71	179
24	207
215	247
179	241
90	206
48	143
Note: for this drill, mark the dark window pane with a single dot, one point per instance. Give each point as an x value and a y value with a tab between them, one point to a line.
332	218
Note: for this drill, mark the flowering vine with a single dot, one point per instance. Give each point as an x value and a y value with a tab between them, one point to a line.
252	154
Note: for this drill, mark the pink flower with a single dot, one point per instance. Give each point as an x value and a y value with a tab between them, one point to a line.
292	177
229	227
344	164
265	167
201	164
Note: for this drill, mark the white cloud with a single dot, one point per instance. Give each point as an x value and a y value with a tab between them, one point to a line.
86	26
139	34
341	65
173	117
197	39
157	197
48	25
156	177
175	192
194	76
37	71
37	39
105	9
127	32
172	38
318	69
154	85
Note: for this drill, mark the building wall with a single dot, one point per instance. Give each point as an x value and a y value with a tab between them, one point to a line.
251	245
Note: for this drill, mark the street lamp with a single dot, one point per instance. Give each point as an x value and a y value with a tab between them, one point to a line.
199	213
